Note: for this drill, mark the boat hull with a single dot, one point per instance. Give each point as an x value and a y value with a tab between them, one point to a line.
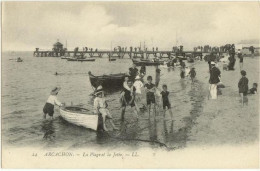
147	63
79	118
108	82
81	60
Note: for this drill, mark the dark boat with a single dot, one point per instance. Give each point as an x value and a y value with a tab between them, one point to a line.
112	59
108	82
147	63
86	60
81	59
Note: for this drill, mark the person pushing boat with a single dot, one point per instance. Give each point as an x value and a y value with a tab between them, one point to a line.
51	101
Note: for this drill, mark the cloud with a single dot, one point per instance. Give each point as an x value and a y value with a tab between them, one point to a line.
27	25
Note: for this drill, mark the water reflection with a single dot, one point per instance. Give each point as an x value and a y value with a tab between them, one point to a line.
48	129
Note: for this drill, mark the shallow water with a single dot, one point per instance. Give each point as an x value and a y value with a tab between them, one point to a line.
26	87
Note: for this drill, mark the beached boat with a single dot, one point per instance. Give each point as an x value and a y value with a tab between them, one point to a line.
147	63
112	81
79	116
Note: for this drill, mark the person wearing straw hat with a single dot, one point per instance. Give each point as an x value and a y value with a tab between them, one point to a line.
214	80
51	101
100	107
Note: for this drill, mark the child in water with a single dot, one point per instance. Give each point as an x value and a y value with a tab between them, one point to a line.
166	102
150	97
100	107
192	74
51	101
243	86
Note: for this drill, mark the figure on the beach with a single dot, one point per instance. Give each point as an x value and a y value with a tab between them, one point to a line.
232	62
192	74
51	101
241	60
243	87
214	80
166	101
133	72
182	73
128	99
254	89
101	108
150	97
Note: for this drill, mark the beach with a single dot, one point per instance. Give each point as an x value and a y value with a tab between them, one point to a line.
196	120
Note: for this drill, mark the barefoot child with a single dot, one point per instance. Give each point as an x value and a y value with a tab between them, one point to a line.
192	74
166	102
52	100
100	107
150	97
243	86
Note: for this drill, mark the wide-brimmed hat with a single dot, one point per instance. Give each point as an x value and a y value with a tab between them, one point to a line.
137	77
55	90
98	90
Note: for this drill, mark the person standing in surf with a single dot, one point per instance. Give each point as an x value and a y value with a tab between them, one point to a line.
157	76
150	97
51	102
166	101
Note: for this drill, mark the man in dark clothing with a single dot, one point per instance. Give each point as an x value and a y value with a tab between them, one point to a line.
133	72
232	62
214	80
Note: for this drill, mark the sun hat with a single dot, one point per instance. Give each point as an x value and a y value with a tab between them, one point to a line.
98	90
137	77
55	90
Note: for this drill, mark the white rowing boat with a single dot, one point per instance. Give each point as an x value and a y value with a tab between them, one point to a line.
79	116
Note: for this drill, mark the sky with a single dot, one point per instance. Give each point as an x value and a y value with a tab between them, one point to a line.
27	25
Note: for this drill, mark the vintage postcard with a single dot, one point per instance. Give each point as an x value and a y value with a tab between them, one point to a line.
137	84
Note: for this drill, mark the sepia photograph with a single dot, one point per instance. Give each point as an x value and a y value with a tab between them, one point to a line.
130	84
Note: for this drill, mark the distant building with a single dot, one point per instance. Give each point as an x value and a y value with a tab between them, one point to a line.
58	47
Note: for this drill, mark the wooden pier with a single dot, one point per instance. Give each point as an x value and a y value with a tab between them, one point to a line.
59	51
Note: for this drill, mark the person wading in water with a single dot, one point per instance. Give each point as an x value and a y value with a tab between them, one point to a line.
51	101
